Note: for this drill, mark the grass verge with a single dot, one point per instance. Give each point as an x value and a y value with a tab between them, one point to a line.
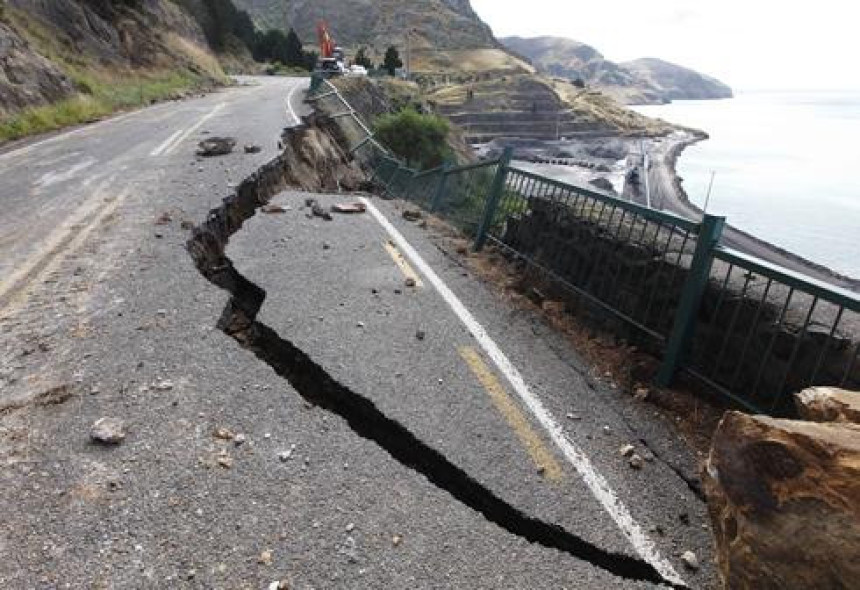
101	93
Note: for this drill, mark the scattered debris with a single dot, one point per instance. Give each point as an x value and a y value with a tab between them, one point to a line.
636	462
108	431
224	460
216	146
272	208
286	455
318	210
265	557
690	560
349	208
163	385
223	433
627	451
251	148
410	282
641	394
412	215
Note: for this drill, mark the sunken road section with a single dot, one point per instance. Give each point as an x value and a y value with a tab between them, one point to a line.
313	383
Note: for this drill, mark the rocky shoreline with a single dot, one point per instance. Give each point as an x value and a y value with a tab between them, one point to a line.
740	239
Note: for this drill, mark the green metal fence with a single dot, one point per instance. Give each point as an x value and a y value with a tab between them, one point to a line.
750	330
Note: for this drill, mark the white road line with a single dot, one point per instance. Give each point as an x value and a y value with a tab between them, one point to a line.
598	485
290	103
184	135
157	151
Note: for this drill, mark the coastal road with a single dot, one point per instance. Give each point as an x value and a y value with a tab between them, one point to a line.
227	477
666	195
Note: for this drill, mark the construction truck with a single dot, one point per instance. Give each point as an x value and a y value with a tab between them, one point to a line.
331	60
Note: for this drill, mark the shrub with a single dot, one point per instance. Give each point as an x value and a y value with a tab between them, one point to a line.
419	139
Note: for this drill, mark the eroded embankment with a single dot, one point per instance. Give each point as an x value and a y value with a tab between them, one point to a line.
313	161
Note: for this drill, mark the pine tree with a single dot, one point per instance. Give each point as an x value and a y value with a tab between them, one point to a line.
392	60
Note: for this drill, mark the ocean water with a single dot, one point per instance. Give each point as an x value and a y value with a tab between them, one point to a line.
787	168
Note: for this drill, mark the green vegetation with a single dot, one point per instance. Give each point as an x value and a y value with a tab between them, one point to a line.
420	140
361	59
392	60
285	50
101	95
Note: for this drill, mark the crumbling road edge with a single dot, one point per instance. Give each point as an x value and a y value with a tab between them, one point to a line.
207	248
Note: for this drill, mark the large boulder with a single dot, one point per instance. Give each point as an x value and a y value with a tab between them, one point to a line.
784	498
828	404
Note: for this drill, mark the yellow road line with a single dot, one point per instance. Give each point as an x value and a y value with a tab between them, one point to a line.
533	443
402	264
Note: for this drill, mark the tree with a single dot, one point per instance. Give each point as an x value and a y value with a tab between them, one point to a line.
419	139
294	53
392	60
361	59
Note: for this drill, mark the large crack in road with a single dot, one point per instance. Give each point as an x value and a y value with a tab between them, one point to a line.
207	248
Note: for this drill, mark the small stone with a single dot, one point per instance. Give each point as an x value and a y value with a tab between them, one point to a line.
161	313
411	215
636	462
164	385
690	560
462	250
410	282
360	324
265	558
641	394
420	335
350	527
396	540
574	417
223	433
279	585
627	451
326	246
272	208
239	439
108	431
225	461
607	430
541	470
191	574
252	149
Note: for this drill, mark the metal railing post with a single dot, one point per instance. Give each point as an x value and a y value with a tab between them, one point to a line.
440	188
496	190
710	232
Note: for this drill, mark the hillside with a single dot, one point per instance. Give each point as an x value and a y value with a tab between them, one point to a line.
74	61
675	82
438	25
645	81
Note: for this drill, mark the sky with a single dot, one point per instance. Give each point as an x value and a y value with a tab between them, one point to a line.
748	44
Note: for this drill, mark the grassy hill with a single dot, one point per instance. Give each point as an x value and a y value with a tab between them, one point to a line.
78	60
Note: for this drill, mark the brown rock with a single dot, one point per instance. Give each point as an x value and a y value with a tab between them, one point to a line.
828	404
784	498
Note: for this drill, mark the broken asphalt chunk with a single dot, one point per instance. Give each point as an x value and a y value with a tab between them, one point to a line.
216	146
349	208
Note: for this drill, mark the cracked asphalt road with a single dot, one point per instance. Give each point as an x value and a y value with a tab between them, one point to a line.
111	308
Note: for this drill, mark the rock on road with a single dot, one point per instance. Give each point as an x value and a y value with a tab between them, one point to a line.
224	477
